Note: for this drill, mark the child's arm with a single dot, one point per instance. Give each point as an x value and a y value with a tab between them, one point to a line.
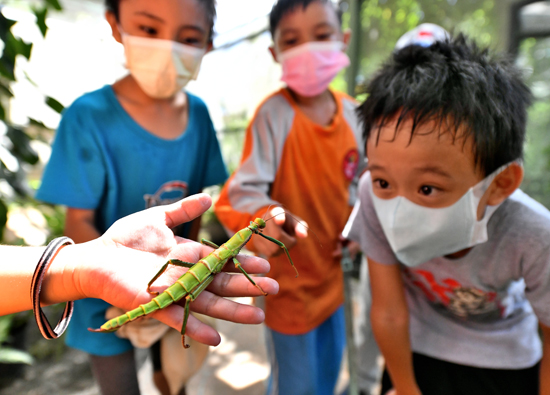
545	362
390	324
79	225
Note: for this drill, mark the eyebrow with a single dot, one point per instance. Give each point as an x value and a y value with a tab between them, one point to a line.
434	170
148	15
151	16
422	169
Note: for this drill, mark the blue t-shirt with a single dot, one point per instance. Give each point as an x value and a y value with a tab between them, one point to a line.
103	160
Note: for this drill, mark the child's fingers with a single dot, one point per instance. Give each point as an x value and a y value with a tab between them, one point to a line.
278	214
301	230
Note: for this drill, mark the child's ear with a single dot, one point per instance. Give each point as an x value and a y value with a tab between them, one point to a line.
505	184
111	19
273	53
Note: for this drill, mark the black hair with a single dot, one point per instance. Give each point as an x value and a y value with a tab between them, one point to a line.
283	7
208	5
457	84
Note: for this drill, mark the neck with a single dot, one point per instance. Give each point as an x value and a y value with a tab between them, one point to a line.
129	90
311	101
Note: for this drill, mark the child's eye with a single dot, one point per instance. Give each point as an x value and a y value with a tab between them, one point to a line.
382	184
191	41
148	30
324	37
290	42
427	190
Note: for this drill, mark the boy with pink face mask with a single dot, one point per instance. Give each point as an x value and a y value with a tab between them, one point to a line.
140	142
302	153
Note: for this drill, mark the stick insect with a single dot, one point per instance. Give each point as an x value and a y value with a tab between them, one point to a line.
197	278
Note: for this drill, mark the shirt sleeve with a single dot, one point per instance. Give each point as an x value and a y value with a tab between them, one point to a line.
364	227
537	284
248	190
75	174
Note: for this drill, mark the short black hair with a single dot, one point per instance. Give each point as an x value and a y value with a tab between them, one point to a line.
456	81
283	7
209	7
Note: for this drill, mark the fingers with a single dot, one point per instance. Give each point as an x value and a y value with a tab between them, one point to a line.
186	210
235	285
251	264
301	230
199	331
212	306
278	215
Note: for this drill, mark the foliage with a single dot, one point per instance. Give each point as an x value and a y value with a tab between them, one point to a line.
16	152
534	58
8	354
384	21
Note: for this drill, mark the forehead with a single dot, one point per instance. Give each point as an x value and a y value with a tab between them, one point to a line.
430	145
173	12
314	15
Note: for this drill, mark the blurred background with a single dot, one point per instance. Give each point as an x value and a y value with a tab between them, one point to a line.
53	51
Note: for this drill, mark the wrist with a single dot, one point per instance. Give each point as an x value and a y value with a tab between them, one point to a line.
65	278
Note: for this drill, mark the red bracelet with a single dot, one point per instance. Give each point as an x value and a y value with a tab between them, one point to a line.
43	264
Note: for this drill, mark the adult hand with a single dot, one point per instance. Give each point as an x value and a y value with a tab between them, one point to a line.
134	249
285	227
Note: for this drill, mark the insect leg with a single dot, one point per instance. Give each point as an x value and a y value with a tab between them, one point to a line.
175	262
280	244
209	243
238	266
188	299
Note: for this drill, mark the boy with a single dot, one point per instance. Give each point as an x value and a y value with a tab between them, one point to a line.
142	141
301	152
459	258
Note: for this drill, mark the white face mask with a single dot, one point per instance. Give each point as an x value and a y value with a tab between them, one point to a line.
161	67
417	234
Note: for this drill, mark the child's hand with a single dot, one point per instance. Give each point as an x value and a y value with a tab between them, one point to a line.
133	250
285	228
352	246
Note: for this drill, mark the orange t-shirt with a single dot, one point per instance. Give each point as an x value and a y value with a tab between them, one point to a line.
312	170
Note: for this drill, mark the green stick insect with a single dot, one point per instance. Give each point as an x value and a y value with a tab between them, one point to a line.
196	279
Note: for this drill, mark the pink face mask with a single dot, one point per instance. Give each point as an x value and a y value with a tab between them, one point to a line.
309	68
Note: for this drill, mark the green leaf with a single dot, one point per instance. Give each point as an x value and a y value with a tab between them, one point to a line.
21	147
41	19
11	355
54	4
54	104
3	221
5	90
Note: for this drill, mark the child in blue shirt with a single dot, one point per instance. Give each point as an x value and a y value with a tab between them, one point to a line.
142	141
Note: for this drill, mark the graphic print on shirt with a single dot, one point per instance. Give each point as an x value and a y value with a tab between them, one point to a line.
169	192
460	301
351	164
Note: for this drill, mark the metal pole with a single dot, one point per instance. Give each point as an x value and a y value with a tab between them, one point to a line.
354	49
347	268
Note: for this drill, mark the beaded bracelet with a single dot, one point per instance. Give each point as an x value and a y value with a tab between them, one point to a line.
45	260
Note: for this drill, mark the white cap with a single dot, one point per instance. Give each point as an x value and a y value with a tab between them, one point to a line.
424	35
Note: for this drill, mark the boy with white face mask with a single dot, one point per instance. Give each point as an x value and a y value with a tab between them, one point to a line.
140	142
302	151
459	257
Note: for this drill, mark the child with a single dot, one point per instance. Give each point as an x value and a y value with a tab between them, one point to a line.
142	141
301	152
459	258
